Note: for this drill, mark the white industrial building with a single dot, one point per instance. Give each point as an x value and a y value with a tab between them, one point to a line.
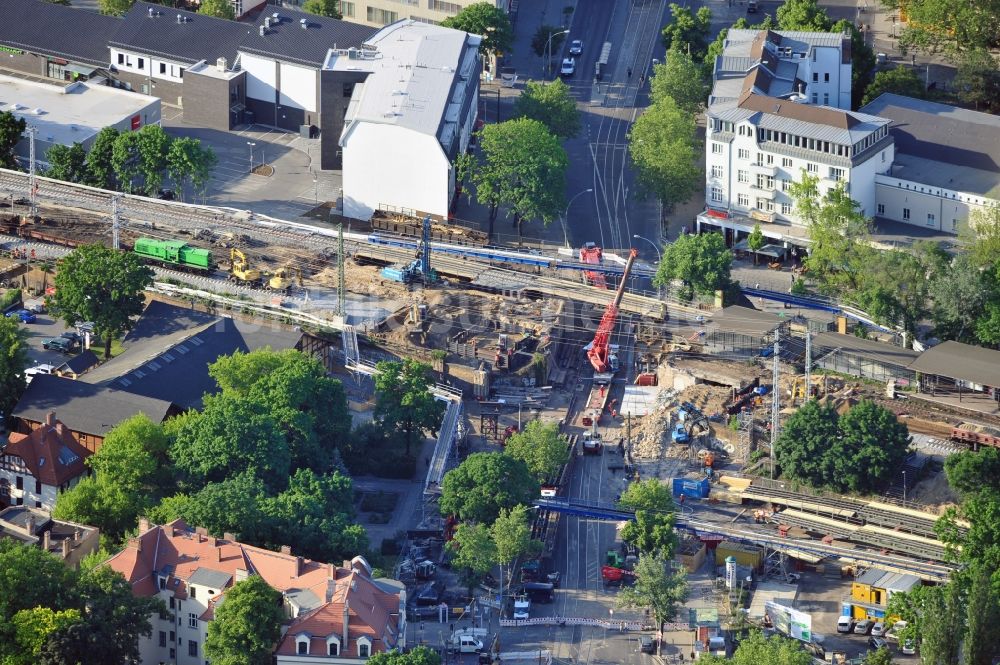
411	113
73	113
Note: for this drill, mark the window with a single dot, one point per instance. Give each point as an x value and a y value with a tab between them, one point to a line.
836	174
194	592
38	487
364	650
880	209
348	89
173	637
142	63
192	620
173	654
931	219
347	8
716	148
786	162
302	647
742	176
826	99
815	98
765	181
383	16
743	153
441	6
786	208
19	483
163	638
121	58
163	68
180	74
743	200
172	600
784	184
192	648
716	171
883	156
826	77
815	77
906	213
333	649
716	194
812	168
38	504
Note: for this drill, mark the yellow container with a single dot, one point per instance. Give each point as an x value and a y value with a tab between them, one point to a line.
746	555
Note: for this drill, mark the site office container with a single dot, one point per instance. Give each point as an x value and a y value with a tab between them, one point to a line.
695	488
748	556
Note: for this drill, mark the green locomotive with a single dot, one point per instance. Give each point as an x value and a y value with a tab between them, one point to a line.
174	253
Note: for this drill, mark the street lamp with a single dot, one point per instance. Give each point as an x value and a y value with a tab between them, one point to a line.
548	52
904	486
566	214
251	144
659	254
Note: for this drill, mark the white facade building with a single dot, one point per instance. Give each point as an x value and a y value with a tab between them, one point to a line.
410	115
36	467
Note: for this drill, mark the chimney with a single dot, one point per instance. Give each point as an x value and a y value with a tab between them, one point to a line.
228	536
29	523
263	31
285	549
50	418
46	540
304	23
60	429
241	574
218	553
267	22
136	543
331	572
143	525
77	534
346	565
221	64
347	616
298	566
66	546
152	12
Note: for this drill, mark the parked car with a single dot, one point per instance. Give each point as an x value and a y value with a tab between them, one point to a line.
576	47
568	67
908	648
863	627
32	372
24	315
60	344
647	644
167	195
876	643
845	624
752	7
878	630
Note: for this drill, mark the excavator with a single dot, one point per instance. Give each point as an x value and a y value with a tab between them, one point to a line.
284	279
600	355
240	271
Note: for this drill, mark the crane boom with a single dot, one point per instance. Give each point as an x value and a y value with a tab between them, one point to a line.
600	350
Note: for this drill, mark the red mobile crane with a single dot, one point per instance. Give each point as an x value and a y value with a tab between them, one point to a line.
591	253
600	350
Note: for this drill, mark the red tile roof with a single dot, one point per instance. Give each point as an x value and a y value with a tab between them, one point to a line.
50	453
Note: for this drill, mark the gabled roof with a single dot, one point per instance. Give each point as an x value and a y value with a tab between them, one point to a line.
83	407
79	363
168	352
155	30
57	30
287	40
961	361
817	115
50	453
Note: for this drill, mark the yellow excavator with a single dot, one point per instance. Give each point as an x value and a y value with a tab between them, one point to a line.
284	278
240	271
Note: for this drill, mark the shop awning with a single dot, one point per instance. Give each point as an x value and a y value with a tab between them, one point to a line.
82	70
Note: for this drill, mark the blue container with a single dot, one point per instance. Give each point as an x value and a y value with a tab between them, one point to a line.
846	610
696	488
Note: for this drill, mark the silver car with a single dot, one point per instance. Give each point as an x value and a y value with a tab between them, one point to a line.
575	47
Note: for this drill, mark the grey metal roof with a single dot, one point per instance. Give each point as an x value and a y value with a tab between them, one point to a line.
213	579
947	175
198	37
168	352
870	577
887	354
84	407
940	132
288	41
793	38
56	30
960	361
744	320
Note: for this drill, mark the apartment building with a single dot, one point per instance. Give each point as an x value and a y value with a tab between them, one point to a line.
35	468
383	12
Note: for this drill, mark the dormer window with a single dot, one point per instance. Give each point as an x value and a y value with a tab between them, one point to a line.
333	646
364	647
302	645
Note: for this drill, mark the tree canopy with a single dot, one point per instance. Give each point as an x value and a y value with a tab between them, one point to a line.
246	626
679	78
67	162
420	655
541	447
687	30
552	104
13	361
900	80
100	170
943	25
511	536
403	400
657	587
218	9
760	650
804	15
522	167
329	8
95	283
484	484
861	451
977	79
701	262
652	530
11	130
665	150
487	20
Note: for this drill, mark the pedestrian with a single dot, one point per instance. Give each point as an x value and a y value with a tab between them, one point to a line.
628	72
642	80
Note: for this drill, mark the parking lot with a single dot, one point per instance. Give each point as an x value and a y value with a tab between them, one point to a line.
44	327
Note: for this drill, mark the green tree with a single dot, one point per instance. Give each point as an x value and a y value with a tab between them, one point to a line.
115	7
959	295
329	8
656	587
900	81
13	361
114	617
943	625
30	577
126	160
153	145
102	285
971	472
484	484
420	655
540	41
688	31
760	650
701	262
909	607
237	505
474	550
652	530
803	441
804	15
229	436
511	535
981	644
680	79
32	629
879	657
943	25
403	400
664	148
522	166
541	447
870	449
246	626
863	61
552	104
100	159
977	79
220	9
755	241
108	507
487	20
183	161
66	162
982	236
11	130
307	405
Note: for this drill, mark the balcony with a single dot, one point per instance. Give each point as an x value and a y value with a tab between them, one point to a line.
765	169
768	193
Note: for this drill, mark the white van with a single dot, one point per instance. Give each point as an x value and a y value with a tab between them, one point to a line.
845	624
32	372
